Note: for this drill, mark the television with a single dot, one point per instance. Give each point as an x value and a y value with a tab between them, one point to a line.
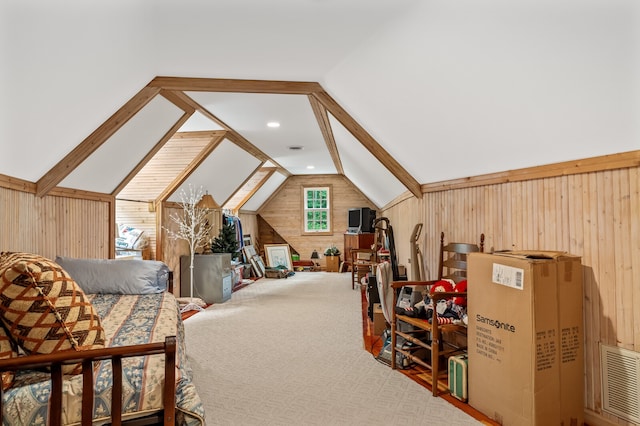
360	220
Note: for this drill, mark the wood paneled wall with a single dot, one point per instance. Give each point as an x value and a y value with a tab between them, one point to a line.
249	222
590	208
402	219
283	212
138	215
594	214
54	225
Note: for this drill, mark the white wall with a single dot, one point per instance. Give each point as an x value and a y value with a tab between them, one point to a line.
66	67
506	84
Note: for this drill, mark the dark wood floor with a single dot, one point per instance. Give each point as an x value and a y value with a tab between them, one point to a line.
373	344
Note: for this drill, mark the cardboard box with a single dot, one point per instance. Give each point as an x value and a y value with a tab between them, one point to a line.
525	337
379	323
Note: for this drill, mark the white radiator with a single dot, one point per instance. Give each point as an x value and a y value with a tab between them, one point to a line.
621	382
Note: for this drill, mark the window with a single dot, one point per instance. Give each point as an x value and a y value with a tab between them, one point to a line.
317	209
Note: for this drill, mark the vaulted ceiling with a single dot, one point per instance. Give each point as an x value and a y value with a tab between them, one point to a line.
391	94
233	154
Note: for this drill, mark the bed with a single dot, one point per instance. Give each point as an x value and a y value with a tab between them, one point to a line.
137	315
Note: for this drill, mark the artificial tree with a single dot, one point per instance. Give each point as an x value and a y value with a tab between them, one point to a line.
193	227
226	241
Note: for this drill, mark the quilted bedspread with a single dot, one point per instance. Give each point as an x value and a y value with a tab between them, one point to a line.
127	320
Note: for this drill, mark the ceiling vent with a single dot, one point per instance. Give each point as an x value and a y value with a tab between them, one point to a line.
621	382
296	147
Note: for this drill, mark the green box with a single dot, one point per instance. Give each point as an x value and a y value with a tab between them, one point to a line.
458	376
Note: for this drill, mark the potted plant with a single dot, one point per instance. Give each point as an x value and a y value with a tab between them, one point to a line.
332	251
332	254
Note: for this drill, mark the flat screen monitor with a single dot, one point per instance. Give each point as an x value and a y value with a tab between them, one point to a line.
360	220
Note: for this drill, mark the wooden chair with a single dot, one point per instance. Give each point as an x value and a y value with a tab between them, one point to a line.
425	335
362	262
453	259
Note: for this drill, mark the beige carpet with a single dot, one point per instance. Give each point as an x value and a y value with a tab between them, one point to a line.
290	352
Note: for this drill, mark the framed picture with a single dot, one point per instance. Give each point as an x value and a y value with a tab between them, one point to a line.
249	252
260	264
278	255
246	240
258	272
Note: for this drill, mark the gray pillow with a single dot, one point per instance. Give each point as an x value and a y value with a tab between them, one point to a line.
114	276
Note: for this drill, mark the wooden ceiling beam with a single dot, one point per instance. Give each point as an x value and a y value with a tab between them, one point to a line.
235	85
369	143
157	147
178	101
232	135
87	147
179	180
327	133
269	172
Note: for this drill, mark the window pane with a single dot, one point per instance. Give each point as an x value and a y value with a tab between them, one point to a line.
316	210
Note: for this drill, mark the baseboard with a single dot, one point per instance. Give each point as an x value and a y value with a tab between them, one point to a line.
592	418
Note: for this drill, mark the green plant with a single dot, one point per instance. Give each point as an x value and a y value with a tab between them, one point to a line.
226	241
332	251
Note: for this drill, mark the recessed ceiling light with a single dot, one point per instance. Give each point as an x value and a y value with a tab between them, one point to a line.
273	124
311	167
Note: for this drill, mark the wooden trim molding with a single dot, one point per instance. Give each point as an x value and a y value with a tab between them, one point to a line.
94	140
158	146
594	164
22	185
232	135
369	143
325	127
81	194
399	199
234	85
17	184
177	100
266	173
216	137
273	195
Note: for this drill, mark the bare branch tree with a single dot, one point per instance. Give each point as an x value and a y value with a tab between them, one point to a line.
193	227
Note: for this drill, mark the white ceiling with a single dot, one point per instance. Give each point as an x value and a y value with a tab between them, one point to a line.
249	113
222	173
448	88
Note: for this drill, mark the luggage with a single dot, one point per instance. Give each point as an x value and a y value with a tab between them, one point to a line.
458	376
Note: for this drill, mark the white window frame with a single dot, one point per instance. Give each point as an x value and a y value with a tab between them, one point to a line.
306	210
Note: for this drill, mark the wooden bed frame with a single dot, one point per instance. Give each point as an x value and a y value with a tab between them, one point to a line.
55	361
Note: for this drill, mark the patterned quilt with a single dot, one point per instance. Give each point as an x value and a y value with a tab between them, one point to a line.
127	320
